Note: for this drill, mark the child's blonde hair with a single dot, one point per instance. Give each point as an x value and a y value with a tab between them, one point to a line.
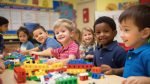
89	29
66	23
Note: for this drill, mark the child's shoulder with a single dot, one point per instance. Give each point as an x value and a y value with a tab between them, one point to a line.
50	39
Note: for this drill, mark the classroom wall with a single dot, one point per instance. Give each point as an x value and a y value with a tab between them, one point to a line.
90	4
101	5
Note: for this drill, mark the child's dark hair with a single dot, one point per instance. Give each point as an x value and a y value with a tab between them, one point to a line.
38	27
140	14
25	30
107	20
3	21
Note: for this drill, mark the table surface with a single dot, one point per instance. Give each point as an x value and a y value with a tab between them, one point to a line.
8	78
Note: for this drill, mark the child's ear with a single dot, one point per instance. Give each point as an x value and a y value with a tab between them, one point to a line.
72	34
115	32
146	33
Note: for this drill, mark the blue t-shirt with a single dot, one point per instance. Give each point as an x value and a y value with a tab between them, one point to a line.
26	46
138	62
49	43
1	43
113	55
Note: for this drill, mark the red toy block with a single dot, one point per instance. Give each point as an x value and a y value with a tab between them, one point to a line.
83	76
20	75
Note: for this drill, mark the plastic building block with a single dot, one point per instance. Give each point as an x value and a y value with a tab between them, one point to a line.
69	80
20	75
96	70
75	71
83	76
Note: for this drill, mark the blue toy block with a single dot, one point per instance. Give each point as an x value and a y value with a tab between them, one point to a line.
96	76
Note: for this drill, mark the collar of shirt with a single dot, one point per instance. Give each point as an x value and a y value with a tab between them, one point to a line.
140	49
110	46
46	41
66	47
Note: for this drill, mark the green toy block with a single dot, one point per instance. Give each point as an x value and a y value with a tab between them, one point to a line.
34	78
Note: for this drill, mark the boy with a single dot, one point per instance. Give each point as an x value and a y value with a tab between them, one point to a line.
41	35
63	29
135	31
108	54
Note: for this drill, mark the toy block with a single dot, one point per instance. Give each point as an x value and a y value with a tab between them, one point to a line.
69	80
83	76
20	75
96	76
96	70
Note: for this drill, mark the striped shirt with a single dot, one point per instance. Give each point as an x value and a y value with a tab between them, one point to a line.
64	52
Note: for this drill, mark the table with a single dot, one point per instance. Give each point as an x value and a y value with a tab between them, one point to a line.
8	78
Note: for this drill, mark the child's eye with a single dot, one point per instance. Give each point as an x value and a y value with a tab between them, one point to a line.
63	31
57	33
40	33
126	30
97	33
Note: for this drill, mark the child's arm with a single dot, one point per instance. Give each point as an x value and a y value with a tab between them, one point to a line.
27	51
65	61
108	70
137	80
89	56
2	67
46	52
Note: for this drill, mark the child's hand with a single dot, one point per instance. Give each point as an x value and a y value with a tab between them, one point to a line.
24	52
106	69
33	53
137	80
89	57
2	67
51	61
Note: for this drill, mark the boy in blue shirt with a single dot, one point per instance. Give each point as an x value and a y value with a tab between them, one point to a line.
135	32
108	54
41	35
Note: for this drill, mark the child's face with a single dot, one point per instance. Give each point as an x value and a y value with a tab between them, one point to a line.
63	35
130	34
87	37
23	37
104	34
4	28
40	35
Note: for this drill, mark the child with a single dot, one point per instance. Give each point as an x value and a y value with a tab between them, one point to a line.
24	36
108	54
135	32
3	28
63	29
88	44
41	35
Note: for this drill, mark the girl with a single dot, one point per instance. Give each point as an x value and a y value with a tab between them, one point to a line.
87	46
23	35
63	29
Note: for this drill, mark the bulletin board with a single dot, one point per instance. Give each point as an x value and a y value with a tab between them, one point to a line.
17	17
113	14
